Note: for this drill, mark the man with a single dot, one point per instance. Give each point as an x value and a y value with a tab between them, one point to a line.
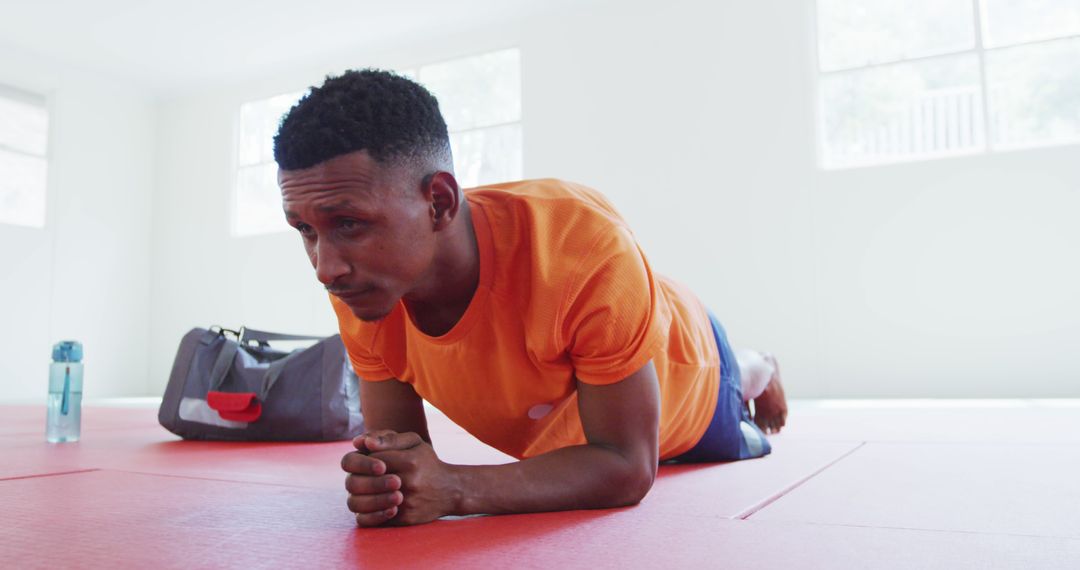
524	311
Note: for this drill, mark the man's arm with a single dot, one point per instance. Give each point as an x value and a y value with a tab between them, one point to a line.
615	468
393	405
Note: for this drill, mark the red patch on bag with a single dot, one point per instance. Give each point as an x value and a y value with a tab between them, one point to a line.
235	406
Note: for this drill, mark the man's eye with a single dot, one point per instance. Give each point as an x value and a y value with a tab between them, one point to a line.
304	229
349	224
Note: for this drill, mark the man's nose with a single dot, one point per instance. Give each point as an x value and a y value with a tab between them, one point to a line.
330	264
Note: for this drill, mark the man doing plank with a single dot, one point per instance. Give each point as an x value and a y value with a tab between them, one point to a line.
525	311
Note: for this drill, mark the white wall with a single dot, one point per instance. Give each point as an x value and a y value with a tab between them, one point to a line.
950	278
203	276
85	275
945	278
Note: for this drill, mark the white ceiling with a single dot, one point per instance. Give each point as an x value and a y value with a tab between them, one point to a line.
171	46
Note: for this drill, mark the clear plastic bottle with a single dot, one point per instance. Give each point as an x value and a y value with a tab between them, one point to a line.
64	421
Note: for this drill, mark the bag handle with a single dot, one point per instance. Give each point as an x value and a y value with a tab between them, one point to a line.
228	353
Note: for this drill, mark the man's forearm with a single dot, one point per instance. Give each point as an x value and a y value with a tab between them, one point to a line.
578	477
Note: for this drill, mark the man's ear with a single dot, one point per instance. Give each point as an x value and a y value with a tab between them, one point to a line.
442	192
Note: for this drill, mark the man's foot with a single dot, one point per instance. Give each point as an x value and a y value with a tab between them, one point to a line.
770	408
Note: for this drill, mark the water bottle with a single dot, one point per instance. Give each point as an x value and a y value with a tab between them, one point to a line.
65	392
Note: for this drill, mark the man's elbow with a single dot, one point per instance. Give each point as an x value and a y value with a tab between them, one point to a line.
635	483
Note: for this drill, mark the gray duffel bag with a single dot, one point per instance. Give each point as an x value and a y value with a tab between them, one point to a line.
243	389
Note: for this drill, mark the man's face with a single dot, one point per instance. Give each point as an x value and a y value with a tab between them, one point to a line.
367	229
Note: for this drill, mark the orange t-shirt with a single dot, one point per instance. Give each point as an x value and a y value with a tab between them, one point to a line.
565	293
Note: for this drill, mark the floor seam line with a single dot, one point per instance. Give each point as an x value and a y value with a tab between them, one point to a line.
761	505
53	474
217	479
934	530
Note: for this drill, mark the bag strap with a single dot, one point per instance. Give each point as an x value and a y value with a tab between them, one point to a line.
223	364
273	372
261	337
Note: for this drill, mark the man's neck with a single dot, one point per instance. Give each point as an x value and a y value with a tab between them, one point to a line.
456	275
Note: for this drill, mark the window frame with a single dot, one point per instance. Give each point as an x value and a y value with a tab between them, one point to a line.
239	167
978	49
416	74
44	102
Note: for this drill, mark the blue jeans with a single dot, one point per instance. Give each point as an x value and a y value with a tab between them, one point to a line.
731	434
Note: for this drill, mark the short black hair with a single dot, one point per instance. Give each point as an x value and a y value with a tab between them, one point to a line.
391	117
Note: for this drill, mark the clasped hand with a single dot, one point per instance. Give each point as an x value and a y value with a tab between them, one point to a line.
396	478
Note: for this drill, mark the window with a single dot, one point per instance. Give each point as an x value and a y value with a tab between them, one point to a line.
257	204
24	142
918	79
479	96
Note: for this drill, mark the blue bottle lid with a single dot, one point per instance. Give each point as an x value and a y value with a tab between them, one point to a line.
67	351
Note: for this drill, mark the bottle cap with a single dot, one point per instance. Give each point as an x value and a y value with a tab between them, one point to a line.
67	351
